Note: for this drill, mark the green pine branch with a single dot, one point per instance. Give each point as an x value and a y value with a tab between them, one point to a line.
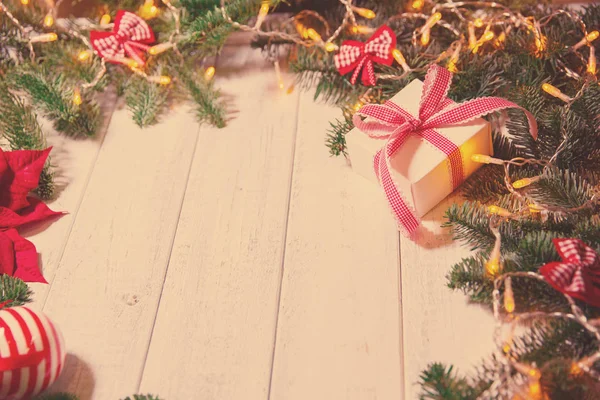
205	97
146	101
14	290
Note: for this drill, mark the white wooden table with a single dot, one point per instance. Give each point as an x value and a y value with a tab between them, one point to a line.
244	262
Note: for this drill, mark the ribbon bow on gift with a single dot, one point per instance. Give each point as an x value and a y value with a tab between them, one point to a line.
356	56
578	274
129	36
391	122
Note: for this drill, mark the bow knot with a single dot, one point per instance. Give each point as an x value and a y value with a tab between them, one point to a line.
130	37
356	56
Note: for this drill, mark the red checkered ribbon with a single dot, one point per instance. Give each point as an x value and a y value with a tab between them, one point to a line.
578	274
391	122
129	37
357	56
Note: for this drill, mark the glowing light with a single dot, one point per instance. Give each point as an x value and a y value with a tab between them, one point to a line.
472	38
399	57
46	37
209	73
451	66
130	62
535	389
77	100
496	210
302	30
589	38
534	373
506	348
262	14
431	21
521	183
591	66
330	47
478	23
499	42
159	48
425	38
148	10
509	298
48	21
492	267
485	159
361	29
24	2
357	106
575	369
417	5
84	55
278	75
314	35
105	19
540	43
554	91
486	37
364	12
161	80
534	208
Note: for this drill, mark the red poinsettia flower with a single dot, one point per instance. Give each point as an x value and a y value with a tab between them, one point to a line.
578	274
19	174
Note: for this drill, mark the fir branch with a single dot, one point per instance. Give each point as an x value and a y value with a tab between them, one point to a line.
142	397
561	189
145	100
439	382
336	136
206	98
15	290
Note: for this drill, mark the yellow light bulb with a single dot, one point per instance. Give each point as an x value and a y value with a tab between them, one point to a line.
264	8
521	183
540	43
357	106
434	18
159	48
589	38
209	73
472	38
506	348
330	47
77	100
535	389
478	23
84	55
46	37
24	2
509	298
554	91
314	35
364	12
451	66
534	208
489	35
425	38
591	67
164	80
360	29
105	19
48	21
399	57
500	39
302	30
278	75
496	210
417	5
485	159
534	373
575	369
492	267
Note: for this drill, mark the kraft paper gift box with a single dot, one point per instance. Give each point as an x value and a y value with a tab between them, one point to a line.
421	171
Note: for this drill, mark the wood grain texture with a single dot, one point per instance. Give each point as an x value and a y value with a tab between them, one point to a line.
338	333
105	292
215	328
439	325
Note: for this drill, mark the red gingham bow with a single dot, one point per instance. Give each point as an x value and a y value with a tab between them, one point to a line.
128	37
356	56
391	122
578	275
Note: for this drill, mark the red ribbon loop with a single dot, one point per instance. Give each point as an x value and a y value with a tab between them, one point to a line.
389	121
130	36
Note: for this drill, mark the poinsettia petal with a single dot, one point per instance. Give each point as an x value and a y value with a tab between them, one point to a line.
20	176
37	210
7	255
26	258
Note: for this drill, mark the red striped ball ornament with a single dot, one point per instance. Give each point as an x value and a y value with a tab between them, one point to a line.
32	353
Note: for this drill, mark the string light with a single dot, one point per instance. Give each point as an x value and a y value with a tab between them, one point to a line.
499	42
105	20
399	57
485	159
302	30
521	183
361	29
45	37
472	38
24	2
591	67
554	91
496	210
587	39
262	14
130	62
432	20
417	5
486	37
575	369
278	75
162	79
478	23
493	265
509	298
148	10
425	37
209	73
451	66
313	35
364	12
540	43
330	47
84	55
534	208
48	20
159	48
77	100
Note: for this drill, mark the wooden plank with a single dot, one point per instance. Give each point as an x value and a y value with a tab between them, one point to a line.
73	160
214	333
339	331
106	290
439	324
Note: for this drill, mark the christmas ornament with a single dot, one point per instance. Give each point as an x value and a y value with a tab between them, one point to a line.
393	123
357	56
130	38
32	353
19	174
578	274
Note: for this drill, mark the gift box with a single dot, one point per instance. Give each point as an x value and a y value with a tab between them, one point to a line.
422	171
419	144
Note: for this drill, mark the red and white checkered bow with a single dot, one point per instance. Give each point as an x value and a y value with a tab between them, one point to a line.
356	56
391	122
578	275
129	37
